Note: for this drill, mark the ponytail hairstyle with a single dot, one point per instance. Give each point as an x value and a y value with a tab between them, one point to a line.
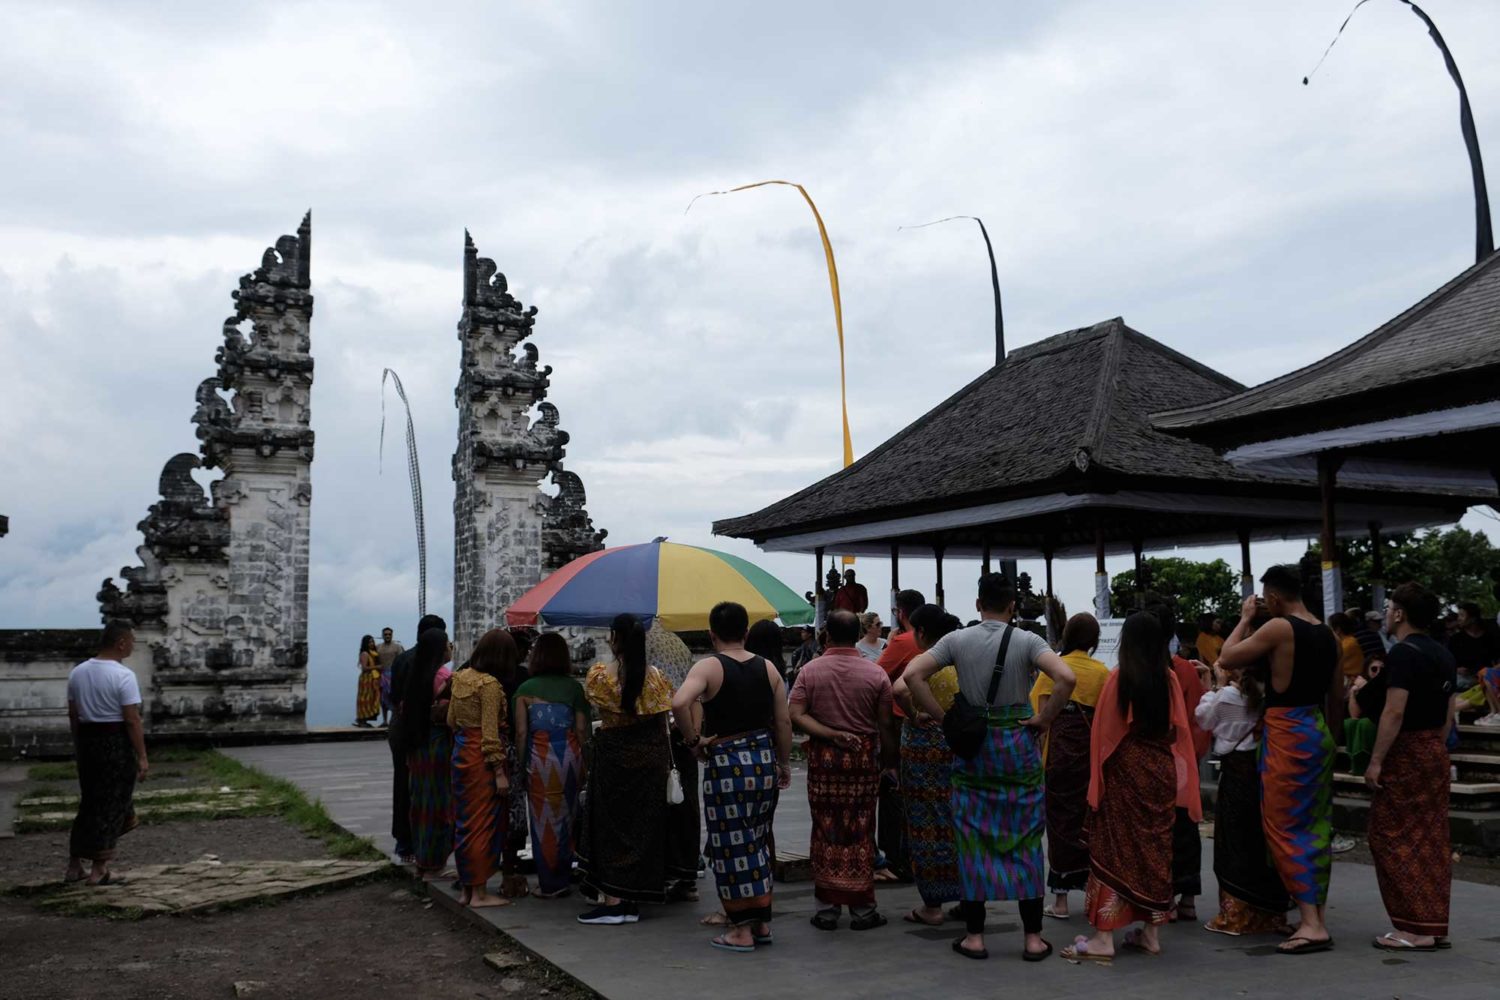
929	623
629	641
1145	693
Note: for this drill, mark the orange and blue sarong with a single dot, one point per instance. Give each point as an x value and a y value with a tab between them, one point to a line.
554	761
1296	771
479	812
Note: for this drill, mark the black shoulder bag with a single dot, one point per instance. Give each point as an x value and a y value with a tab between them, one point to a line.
964	725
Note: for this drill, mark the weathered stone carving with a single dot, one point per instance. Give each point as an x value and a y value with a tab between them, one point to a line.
220	597
567	530
507	533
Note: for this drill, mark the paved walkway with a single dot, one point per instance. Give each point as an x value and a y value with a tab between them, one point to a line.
667	953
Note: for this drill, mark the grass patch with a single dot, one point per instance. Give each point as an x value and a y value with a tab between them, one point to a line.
271	797
63	770
282	798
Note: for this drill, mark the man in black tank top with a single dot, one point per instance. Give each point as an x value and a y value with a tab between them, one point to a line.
1297	748
732	706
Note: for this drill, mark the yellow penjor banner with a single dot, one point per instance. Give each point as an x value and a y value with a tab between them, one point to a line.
833	285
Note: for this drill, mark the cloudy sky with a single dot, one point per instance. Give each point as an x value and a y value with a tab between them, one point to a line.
1160	161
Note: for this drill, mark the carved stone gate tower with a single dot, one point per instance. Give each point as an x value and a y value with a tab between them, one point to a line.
507	532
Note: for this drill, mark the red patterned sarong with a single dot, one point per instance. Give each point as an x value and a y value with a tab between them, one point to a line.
1130	837
1409	834
842	786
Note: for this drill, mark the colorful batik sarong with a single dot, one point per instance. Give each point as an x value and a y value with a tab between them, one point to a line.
1130	836
842	786
429	774
999	812
1408	827
367	702
1296	796
1067	798
479	812
107	771
739	802
623	835
1248	883
552	786
927	787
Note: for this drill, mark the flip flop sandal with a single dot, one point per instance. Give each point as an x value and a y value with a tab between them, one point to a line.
1048	911
979	955
110	878
1390	942
1037	956
715	920
764	939
825	920
1220	930
886	875
1305	946
954	913
1079	952
1136	941
1443	944
912	918
868	922
724	945
69	880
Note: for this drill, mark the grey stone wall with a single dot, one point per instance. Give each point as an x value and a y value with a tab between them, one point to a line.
34	666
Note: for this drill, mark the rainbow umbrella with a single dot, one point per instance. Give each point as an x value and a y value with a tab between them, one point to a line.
661	581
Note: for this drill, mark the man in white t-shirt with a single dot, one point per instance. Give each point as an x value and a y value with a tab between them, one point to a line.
104	712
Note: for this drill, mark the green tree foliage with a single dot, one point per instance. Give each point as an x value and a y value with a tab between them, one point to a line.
1199	587
1457	565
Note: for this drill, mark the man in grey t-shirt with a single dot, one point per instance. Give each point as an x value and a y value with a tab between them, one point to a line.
997	795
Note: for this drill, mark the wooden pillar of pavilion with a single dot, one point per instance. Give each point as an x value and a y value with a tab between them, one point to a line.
820	597
1047	603
1142	575
1101	578
937	554
895	583
1377	570
984	565
1247	578
1333	581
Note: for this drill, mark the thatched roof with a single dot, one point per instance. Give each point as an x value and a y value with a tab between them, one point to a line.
1049	446
1442	352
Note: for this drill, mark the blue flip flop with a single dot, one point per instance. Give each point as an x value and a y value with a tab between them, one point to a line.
723	945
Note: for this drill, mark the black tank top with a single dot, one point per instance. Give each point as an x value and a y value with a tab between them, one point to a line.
743	703
1315	657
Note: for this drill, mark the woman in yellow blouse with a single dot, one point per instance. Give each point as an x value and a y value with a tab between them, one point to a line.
622	846
926	773
1066	754
479	718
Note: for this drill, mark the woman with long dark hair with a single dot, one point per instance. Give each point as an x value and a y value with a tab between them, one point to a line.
552	728
478	719
927	777
367	700
1252	899
1142	767
622	846
1065	754
429	747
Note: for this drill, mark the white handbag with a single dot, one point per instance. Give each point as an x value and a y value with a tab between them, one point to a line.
674	779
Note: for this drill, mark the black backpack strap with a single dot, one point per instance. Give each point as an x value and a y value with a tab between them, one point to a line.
989	699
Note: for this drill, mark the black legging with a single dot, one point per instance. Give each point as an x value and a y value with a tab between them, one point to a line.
972	911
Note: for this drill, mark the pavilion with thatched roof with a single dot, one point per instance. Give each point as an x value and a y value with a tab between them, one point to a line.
1414	404
1052	452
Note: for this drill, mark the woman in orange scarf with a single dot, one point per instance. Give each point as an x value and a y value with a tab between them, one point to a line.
1142	767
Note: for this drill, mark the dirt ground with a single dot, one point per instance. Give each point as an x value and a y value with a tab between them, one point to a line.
376	939
373	940
33	856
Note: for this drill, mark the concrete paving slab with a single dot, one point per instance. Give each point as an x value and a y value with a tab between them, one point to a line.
667	953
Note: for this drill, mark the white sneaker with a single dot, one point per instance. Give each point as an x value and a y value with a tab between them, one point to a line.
1342	844
1492	720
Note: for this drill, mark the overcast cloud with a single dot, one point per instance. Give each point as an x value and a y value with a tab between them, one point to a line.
1159	161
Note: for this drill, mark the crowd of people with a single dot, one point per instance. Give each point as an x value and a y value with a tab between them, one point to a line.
1101	765
946	755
